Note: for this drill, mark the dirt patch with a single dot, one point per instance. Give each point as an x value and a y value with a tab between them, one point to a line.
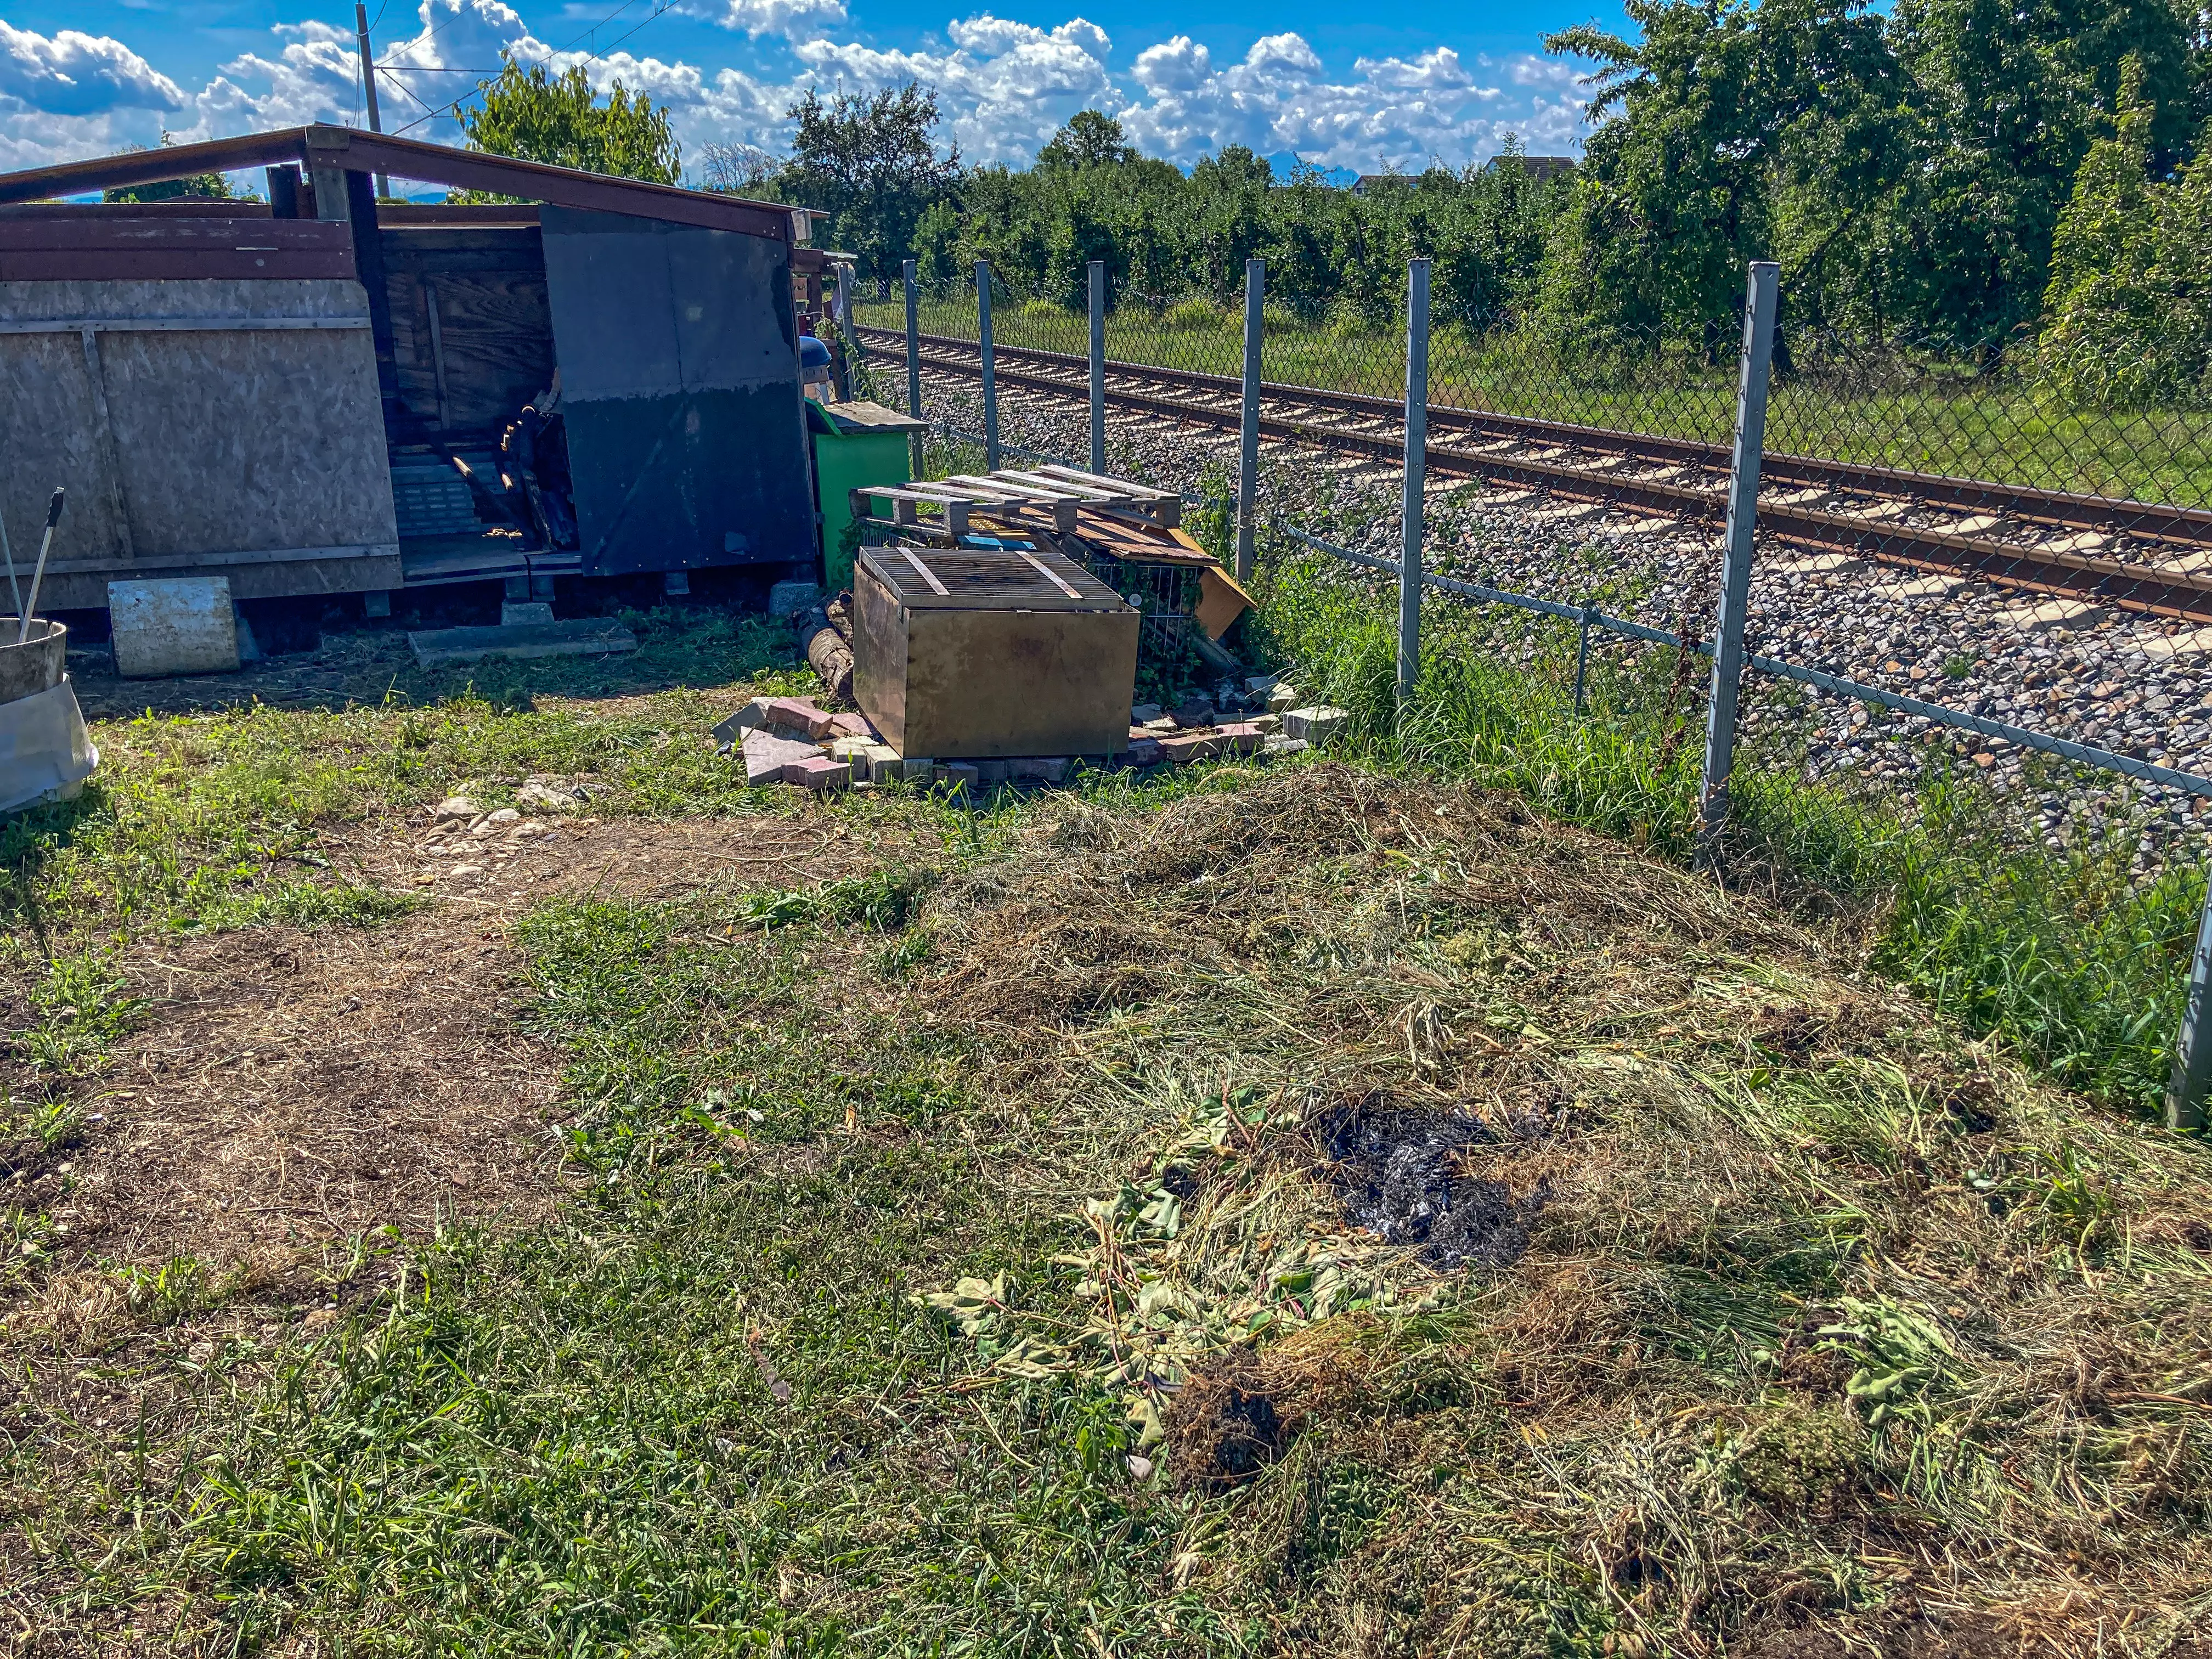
1404	1178
1241	1410
627	857
289	1092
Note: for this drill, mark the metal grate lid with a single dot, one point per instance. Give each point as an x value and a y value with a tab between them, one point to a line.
988	579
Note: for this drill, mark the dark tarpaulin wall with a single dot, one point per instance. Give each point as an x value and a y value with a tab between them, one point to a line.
679	381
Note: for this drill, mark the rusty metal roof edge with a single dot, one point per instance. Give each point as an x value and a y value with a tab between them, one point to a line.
408	158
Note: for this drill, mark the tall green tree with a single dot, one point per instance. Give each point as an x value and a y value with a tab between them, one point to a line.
870	162
1737	131
1091	138
2128	317
533	116
2003	99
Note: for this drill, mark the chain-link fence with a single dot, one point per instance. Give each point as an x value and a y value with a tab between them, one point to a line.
1969	585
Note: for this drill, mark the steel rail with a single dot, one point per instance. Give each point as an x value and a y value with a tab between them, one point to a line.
2076	576
2151	521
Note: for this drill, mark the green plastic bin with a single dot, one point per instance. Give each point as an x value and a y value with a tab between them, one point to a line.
856	446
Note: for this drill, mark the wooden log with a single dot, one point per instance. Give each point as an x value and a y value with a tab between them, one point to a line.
832	658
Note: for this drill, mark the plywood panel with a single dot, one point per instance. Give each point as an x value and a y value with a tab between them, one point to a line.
52	436
248	441
495	337
214	441
495	328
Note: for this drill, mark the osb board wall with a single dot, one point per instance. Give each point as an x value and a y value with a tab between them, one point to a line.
495	330
220	442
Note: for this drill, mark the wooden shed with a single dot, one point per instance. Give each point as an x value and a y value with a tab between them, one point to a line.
309	395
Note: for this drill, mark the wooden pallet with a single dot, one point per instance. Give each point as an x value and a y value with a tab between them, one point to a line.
1055	496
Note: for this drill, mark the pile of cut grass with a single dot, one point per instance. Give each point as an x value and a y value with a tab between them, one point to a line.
929	1250
2071	957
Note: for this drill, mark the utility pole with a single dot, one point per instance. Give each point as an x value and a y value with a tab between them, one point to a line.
368	83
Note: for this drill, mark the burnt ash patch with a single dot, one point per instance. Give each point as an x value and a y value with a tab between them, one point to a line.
1403	1178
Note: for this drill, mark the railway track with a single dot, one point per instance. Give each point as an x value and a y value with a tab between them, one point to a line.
1995	533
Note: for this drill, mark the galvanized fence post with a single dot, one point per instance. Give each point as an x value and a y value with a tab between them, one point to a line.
1098	366
1248	454
1761	287
990	371
1417	460
2191	1077
1581	656
848	337
913	361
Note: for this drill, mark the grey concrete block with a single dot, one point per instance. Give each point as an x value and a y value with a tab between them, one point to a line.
594	637
790	599
173	625
1317	724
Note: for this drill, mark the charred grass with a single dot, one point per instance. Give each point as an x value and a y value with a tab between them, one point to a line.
1315	1214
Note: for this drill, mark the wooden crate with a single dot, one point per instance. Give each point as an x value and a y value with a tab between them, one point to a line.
991	653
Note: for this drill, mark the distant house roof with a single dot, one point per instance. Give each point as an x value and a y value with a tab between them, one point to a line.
353	151
1540	168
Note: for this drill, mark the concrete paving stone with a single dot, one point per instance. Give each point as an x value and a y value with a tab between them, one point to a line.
766	755
1192	746
1042	768
797	715
752	716
1143	751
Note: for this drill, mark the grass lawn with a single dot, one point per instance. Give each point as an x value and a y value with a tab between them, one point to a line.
1322	1209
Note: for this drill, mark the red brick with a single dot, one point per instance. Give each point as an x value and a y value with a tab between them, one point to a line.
797	715
824	773
1038	769
1194	746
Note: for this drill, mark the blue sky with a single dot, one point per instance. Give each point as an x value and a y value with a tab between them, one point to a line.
1415	84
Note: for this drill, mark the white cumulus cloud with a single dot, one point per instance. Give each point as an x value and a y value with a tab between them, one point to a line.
798	20
73	74
1004	87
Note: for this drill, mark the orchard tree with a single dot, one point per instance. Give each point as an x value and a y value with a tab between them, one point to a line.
533	116
870	163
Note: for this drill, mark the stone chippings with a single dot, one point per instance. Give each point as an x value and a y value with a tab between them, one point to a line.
2137	685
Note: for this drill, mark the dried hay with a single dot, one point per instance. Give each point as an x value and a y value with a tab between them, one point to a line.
1785	1315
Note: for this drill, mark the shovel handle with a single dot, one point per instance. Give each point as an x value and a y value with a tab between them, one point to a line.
54	507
